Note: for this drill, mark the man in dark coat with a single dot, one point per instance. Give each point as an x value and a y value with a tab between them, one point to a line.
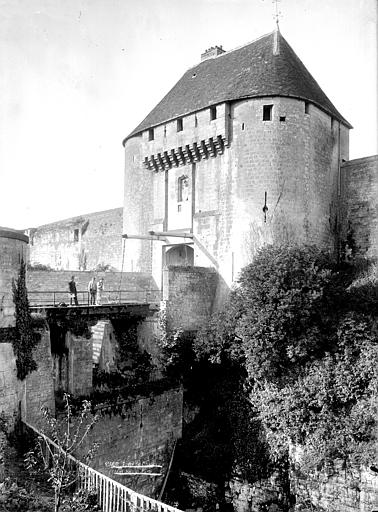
73	291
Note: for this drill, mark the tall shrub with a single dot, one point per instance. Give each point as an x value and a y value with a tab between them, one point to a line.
25	338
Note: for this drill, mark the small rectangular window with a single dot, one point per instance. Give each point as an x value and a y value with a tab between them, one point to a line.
282	119
180	125
213	113
76	235
267	112
307	107
151	134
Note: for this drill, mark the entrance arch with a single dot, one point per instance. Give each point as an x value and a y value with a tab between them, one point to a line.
180	255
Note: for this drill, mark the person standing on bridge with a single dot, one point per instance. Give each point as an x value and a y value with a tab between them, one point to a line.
92	289
100	289
73	291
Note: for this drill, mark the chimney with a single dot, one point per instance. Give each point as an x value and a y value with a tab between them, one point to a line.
214	51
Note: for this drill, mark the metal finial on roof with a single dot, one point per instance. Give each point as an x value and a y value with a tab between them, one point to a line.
278	14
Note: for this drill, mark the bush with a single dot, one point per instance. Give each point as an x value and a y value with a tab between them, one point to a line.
305	335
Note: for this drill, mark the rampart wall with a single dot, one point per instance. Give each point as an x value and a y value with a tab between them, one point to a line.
79	243
359	207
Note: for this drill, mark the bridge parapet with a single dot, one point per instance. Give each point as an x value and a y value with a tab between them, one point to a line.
54	298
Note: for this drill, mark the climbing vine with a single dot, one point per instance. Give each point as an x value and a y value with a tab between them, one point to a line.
25	339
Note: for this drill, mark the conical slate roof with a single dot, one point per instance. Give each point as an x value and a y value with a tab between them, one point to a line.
265	67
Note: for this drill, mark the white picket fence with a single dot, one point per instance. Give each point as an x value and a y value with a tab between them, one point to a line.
111	495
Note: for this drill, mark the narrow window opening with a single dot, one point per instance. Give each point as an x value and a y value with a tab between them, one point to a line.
165	130
307	107
282	119
242	126
179	207
267	112
180	125
195	121
76	235
183	189
213	113
151	134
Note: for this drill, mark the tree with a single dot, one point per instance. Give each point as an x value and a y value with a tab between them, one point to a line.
68	438
25	338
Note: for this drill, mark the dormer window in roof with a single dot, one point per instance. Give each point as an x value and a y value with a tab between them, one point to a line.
180	124
151	134
267	112
213	113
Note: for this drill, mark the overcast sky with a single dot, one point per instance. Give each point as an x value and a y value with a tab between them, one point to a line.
76	76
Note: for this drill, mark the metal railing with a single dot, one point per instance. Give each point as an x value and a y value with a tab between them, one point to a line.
111	495
60	298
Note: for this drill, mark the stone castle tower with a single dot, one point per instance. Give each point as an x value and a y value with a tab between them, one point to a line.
245	149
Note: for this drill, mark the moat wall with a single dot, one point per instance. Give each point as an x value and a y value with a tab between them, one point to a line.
140	432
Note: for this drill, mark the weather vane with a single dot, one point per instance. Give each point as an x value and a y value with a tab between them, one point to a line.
277	15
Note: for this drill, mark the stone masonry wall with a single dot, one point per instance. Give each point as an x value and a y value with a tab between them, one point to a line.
290	161
12	251
189	293
359	207
80	366
27	396
79	243
339	490
142	432
39	387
